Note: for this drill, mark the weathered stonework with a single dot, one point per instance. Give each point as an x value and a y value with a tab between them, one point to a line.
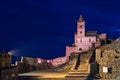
7	71
5	60
109	56
28	64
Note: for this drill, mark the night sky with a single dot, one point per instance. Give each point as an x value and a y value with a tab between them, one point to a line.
42	28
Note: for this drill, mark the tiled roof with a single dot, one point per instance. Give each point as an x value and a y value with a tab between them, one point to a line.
91	33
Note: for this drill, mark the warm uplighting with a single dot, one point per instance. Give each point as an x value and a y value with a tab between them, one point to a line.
48	61
39	60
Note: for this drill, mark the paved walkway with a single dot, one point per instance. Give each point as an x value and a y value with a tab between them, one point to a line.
44	74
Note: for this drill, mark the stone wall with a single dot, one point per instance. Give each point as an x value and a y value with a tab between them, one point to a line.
9	73
5	60
28	64
58	61
109	59
29	60
24	67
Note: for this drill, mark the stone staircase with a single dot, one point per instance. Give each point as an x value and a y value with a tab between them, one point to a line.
81	70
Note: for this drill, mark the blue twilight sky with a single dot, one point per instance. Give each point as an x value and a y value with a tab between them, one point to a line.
42	28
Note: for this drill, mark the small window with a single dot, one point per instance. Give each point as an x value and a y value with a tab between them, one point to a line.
110	70
81	26
116	57
80	31
89	40
101	55
80	49
81	40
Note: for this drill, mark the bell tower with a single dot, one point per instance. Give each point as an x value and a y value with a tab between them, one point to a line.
81	27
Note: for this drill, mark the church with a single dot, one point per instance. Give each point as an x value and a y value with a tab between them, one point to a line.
84	41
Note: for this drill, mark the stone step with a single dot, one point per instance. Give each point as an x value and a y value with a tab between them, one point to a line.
76	77
81	70
83	67
80	74
83	64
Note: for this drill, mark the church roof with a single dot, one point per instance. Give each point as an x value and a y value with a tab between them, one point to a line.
91	33
81	18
